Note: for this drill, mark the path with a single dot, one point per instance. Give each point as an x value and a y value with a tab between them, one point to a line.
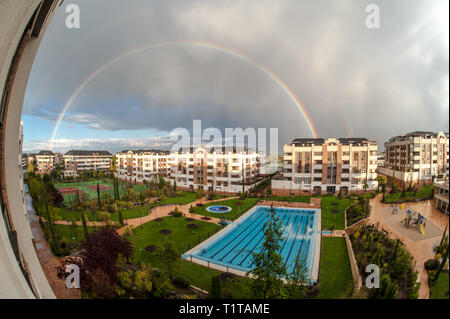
161	211
420	246
47	260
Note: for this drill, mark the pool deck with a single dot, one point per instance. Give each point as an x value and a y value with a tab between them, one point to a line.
315	203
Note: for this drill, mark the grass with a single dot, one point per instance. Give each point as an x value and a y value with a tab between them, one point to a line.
236	210
185	198
425	192
127	213
183	239
439	288
335	276
333	212
333	208
71	234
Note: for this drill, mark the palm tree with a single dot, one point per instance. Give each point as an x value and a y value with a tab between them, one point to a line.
365	186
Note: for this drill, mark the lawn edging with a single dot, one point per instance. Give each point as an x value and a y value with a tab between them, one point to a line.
357	280
345	215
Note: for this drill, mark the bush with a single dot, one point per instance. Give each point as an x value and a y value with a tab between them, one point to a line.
181	282
431	264
215	292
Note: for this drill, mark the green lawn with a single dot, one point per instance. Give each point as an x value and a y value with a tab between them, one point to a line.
236	210
333	212
127	213
183	239
426	192
333	208
185	198
71	234
440	288
335	275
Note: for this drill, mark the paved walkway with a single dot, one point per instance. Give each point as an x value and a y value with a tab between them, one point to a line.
420	246
46	258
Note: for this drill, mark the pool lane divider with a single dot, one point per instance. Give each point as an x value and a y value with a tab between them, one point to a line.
256	219
258	241
265	219
301	244
293	242
285	241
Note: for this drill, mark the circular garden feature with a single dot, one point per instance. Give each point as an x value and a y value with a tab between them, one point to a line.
335	211
189	219
218	209
151	248
165	232
192	226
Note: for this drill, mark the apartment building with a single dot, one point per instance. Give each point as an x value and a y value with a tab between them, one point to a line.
76	161
221	170
140	165
45	161
441	194
416	158
319	166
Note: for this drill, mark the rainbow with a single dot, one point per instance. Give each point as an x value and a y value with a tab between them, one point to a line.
199	44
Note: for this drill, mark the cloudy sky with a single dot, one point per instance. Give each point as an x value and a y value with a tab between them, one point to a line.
135	70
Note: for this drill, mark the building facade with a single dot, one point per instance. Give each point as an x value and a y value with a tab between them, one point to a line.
139	165
76	161
319	166
416	158
441	194
45	161
223	171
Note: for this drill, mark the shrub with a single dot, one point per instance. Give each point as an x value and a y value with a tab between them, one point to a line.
431	264
181	282
215	292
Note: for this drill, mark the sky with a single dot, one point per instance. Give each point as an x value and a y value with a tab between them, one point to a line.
136	70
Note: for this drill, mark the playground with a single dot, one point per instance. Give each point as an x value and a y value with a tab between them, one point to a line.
419	245
89	189
410	220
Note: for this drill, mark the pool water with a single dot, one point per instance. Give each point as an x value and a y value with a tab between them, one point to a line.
233	246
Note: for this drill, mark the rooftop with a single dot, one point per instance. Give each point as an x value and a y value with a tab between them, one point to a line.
88	153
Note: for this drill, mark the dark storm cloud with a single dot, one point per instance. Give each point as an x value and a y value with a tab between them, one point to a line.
373	82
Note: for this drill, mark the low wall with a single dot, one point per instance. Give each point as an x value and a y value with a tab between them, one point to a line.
357	280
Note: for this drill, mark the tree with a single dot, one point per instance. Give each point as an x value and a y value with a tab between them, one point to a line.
121	218
98	197
441	266
168	255
102	251
174	185
381	179
54	243
85	229
268	263
365	186
215	288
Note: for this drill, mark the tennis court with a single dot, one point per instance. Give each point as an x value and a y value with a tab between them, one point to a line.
89	189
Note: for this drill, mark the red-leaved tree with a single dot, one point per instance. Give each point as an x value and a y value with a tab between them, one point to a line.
100	255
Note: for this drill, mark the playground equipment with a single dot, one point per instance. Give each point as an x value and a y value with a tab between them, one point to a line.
419	221
394	209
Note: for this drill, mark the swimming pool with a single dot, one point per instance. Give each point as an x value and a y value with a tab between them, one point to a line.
231	248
